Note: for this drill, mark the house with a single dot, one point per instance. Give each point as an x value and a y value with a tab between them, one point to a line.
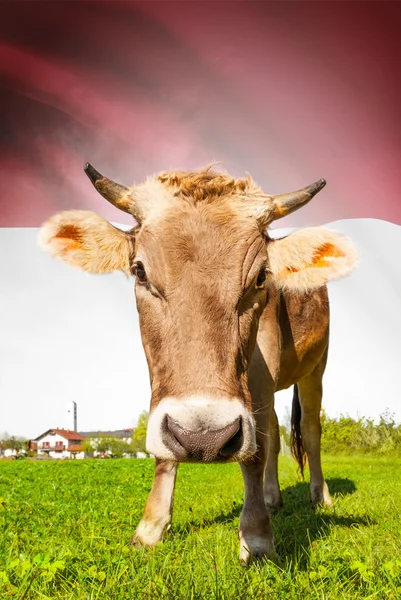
59	443
8	452
65	443
33	446
120	434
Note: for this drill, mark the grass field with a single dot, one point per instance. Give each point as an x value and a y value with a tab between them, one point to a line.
65	528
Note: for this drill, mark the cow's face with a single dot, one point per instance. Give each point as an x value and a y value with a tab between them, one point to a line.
203	269
200	294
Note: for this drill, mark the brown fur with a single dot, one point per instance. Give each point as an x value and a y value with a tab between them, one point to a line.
320	257
206	184
198	279
72	234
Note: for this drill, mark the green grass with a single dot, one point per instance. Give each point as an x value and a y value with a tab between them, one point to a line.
65	528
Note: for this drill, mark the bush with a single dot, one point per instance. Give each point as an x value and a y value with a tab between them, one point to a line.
138	443
362	435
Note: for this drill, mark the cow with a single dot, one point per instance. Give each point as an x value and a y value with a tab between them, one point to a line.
228	316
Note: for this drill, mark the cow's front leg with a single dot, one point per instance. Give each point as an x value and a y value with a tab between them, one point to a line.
255	531
159	506
272	492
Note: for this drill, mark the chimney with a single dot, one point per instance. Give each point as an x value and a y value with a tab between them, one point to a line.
74	404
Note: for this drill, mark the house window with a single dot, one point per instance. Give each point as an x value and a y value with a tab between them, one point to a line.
46	445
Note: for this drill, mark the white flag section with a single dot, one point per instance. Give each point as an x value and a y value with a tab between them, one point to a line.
69	336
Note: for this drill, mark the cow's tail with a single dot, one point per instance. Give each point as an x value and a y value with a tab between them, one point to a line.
297	447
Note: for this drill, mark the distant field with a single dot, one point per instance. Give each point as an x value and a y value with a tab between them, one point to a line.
65	528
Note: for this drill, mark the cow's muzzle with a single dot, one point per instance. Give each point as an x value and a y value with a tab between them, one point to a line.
203	445
201	429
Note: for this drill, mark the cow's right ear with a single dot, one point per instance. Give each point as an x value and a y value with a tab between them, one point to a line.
84	240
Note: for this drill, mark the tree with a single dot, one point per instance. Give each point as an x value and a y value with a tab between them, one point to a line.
286	420
118	447
103	444
112	446
138	443
15	443
87	446
286	435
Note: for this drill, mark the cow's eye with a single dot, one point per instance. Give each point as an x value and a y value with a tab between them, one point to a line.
140	273
261	277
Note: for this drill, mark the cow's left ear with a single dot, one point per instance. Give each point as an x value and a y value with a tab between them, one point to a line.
307	259
83	239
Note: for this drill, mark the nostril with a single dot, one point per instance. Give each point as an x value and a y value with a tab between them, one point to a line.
179	433
234	444
172	438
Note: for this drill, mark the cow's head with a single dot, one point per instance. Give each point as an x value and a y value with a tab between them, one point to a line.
204	266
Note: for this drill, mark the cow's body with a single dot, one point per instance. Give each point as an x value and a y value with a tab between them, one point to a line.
228	316
289	351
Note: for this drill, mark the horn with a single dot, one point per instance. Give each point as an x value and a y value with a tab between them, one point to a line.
118	195
285	204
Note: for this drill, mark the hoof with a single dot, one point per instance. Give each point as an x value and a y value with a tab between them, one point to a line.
136	542
255	547
273	503
320	496
148	534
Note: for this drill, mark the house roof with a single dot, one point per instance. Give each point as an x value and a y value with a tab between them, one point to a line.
116	433
74	448
67	434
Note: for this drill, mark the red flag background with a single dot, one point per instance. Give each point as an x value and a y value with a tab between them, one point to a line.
288	91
